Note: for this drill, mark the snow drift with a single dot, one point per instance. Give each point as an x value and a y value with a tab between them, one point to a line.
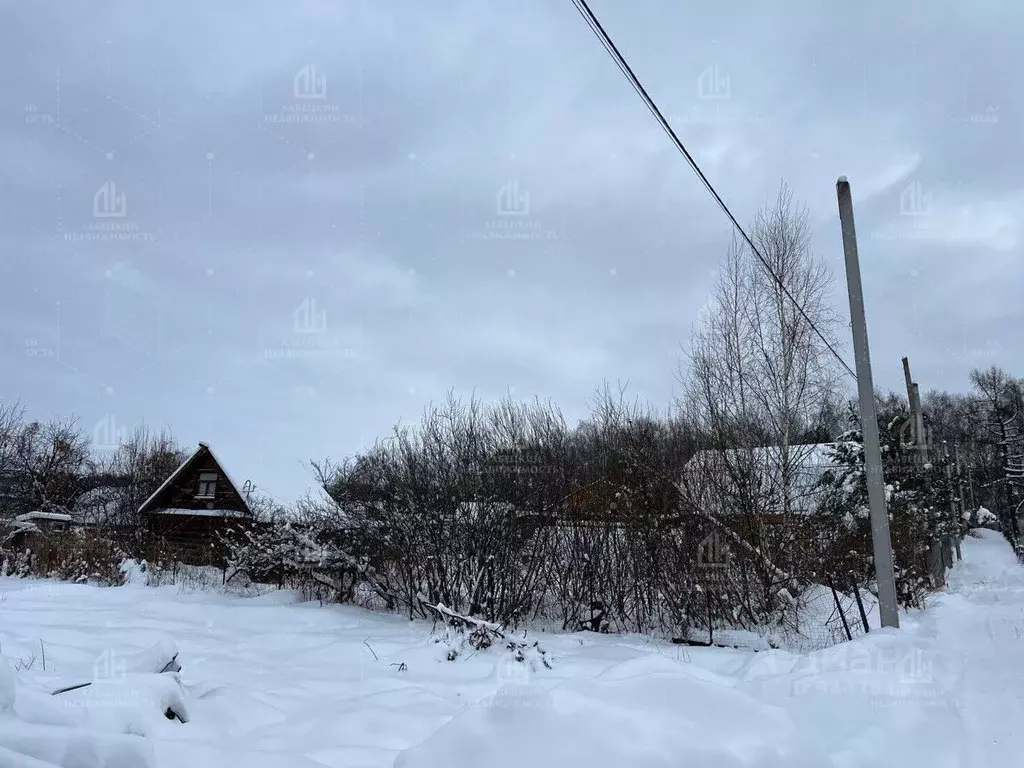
645	713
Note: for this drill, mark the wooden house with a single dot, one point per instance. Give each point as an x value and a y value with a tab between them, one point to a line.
187	514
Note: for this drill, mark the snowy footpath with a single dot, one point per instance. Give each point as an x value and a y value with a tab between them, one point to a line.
269	682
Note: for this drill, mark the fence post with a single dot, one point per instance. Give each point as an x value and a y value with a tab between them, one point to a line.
860	606
711	624
839	607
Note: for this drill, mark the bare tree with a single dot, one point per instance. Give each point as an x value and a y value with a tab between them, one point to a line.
760	377
1001	399
11	419
53	458
122	482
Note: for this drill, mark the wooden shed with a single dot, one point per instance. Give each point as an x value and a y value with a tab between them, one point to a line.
187	514
26	530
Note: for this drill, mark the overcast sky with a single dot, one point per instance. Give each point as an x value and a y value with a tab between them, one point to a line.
283	227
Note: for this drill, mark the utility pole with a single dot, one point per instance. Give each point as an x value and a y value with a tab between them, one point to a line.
939	549
961	506
970	479
920	436
881	543
951	544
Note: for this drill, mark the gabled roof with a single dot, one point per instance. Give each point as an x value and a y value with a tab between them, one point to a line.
184	465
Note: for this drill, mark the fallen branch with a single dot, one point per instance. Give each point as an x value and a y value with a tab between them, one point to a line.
367	644
482	634
467	622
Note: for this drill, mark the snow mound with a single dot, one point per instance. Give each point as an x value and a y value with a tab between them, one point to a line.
134	572
985	517
637	713
38	731
135	703
891	698
154	659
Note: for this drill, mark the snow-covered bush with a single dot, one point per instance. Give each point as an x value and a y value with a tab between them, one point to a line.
981	518
463	635
77	555
306	555
917	499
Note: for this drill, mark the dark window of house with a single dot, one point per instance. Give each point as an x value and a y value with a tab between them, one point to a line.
207	485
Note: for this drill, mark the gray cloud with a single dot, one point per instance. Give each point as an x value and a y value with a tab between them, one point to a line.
293	275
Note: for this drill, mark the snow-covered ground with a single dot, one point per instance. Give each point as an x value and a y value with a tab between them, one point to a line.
268	682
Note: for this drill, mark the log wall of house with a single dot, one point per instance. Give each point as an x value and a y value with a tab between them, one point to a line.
194	540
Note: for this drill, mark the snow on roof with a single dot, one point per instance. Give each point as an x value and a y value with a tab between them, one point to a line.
198	512
185	463
57	517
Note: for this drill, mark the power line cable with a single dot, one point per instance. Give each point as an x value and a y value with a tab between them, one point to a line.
606	41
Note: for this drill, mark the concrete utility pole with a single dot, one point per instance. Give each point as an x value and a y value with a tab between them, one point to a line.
918	431
954	513
939	550
881	543
959	494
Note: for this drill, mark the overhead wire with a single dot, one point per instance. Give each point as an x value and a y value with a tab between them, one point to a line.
596	27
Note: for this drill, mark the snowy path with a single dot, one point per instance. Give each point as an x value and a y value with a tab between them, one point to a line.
280	684
983	618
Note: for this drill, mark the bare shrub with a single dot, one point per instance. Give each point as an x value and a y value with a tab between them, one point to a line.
76	556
